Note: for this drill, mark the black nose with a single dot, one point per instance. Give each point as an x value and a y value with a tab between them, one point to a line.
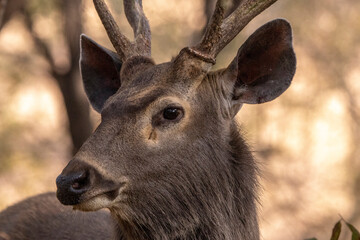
71	187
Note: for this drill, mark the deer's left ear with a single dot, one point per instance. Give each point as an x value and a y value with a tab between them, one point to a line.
100	71
264	66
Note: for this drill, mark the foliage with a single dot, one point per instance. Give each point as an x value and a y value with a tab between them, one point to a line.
43	7
337	231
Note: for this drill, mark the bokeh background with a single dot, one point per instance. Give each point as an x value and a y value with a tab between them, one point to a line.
306	141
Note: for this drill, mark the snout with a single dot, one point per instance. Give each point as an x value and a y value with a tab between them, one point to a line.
74	182
82	184
72	186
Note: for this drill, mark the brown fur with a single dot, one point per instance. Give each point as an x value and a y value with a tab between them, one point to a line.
187	177
191	178
42	218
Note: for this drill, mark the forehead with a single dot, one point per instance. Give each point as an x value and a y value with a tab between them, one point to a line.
145	87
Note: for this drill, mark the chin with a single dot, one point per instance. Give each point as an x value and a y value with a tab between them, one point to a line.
94	204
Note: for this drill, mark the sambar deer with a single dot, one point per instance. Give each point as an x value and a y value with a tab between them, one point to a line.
168	159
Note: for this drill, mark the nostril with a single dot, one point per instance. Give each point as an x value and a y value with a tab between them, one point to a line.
75	182
76	186
80	182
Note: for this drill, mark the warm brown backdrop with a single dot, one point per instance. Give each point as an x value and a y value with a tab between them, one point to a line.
307	141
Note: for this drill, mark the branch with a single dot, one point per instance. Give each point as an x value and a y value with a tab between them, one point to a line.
40	44
3	4
71	10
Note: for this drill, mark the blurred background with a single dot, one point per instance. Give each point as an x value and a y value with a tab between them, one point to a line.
306	141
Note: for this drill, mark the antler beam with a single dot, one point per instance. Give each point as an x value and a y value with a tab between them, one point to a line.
138	21
220	31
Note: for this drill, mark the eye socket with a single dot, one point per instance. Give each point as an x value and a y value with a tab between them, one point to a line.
172	113
168	116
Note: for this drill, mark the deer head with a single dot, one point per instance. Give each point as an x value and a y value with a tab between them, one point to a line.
167	158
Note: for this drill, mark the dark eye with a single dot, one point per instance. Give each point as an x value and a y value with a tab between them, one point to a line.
172	113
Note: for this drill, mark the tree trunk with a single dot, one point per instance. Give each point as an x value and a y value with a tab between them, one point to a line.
77	107
2	10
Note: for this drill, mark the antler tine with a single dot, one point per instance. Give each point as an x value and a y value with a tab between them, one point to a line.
121	43
221	31
235	22
138	21
212	32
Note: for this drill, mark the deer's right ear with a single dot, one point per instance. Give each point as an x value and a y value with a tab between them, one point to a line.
264	66
100	71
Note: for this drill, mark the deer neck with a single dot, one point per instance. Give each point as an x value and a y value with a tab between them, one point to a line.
233	216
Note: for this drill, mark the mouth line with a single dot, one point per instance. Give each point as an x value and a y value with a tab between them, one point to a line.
89	200
108	196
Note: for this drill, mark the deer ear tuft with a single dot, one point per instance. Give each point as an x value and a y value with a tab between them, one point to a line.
100	71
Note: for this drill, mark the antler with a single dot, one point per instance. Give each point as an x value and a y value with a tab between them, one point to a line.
138	21
220	31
